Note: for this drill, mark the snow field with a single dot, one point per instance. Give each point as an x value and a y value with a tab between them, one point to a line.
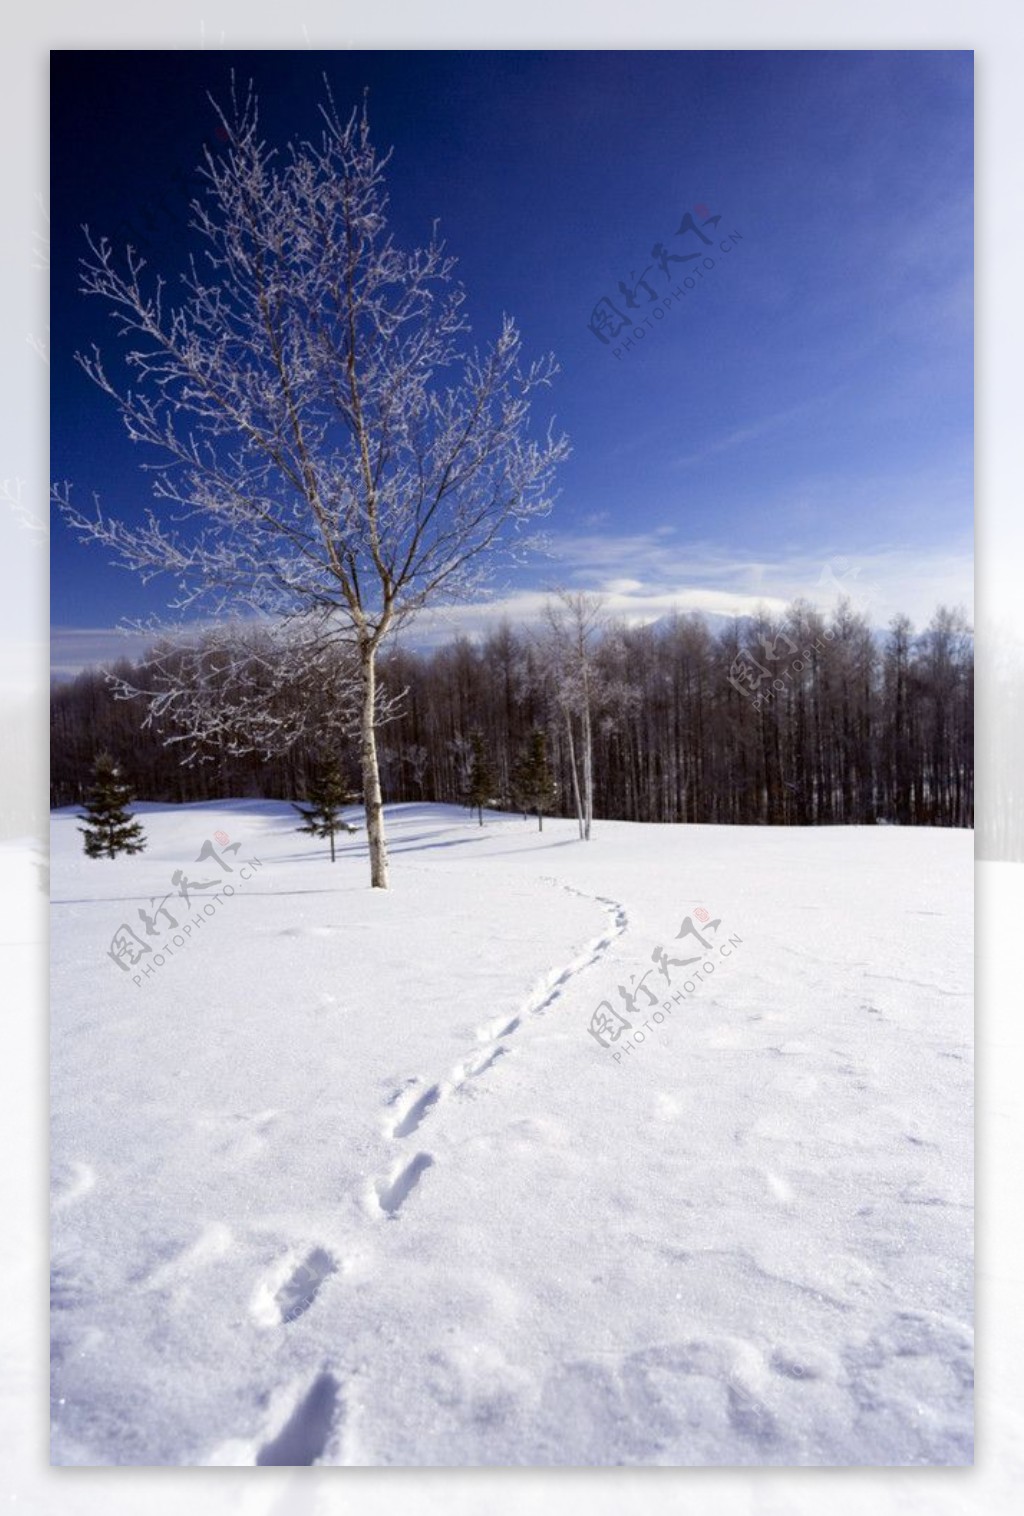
346	1179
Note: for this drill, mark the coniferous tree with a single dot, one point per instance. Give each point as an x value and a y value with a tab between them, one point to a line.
327	793
110	828
533	785
481	777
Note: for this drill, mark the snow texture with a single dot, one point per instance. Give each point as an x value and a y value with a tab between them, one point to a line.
346	1180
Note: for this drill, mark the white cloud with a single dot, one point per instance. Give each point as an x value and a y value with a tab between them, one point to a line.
643	577
73	648
647	576
708	581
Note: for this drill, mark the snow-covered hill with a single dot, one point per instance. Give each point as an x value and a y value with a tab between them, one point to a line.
346	1177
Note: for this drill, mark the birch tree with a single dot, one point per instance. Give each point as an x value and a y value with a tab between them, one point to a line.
323	438
238	688
573	621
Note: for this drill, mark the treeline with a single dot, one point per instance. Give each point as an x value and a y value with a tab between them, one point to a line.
808	720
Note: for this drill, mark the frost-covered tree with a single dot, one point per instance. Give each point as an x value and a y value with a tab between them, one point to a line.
417	757
110	828
461	752
482	783
324	439
327	795
264	687
573	623
533	785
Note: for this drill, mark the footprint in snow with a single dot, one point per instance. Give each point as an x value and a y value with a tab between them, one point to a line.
402	1089
496	1028
289	1289
304	1437
417	1107
410	1120
475	1068
393	1192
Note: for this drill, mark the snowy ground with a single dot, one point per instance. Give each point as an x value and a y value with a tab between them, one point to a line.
346	1180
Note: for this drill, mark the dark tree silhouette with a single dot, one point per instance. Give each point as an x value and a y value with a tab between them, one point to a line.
482	782
327	794
110	828
532	785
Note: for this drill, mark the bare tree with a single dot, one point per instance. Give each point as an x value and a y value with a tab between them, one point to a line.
461	750
418	759
240	687
573	622
326	440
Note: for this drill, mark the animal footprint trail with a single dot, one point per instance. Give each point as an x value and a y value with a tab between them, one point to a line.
554	986
392	1191
497	1030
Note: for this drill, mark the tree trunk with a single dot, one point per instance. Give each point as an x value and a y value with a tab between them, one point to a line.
575	775
588	769
332	846
588	749
372	802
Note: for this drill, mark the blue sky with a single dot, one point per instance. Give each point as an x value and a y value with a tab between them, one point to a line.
808	403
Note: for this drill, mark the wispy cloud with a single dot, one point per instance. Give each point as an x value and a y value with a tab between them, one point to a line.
753	431
905	578
644	576
74	648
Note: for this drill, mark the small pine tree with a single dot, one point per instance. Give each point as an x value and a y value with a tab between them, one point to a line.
327	793
481	776
535	788
110	828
